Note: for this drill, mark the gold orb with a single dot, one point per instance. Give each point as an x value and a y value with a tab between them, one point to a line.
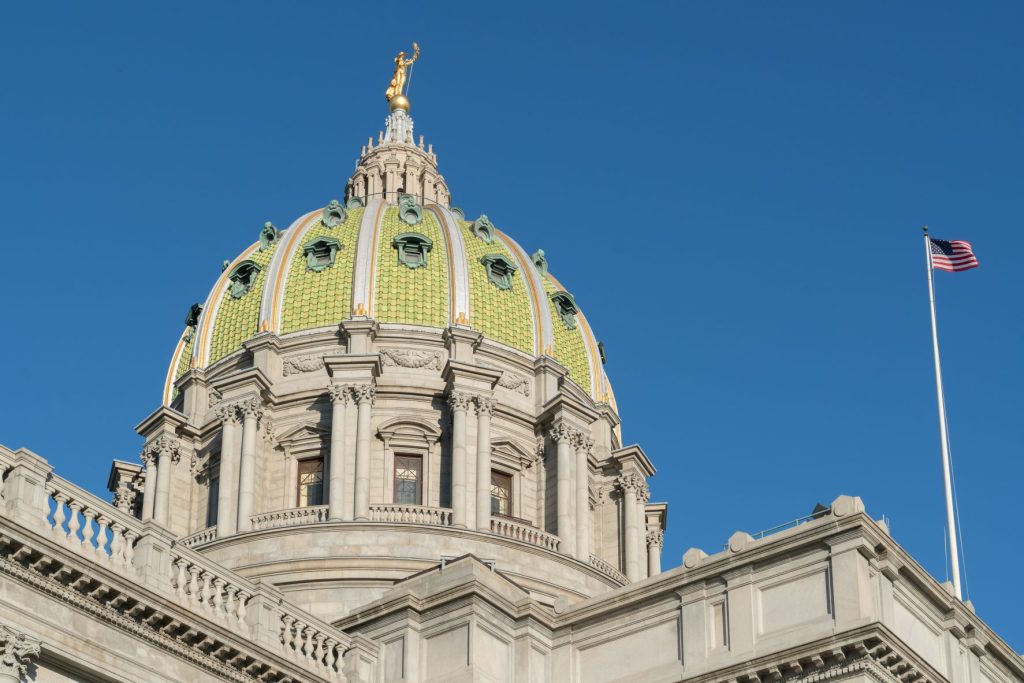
399	102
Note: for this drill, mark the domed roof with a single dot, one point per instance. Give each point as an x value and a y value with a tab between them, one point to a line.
394	252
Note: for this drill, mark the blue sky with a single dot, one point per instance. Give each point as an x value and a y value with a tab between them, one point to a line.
732	190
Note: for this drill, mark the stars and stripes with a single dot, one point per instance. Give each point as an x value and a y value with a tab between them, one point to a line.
952	255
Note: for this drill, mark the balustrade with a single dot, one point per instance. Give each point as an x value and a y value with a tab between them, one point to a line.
200	537
205	588
411	514
90	526
292	517
523	532
314	645
607	569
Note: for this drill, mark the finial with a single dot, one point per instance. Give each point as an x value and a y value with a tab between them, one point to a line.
396	92
925	228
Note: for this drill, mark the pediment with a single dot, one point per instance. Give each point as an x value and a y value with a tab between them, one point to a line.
513	453
303	436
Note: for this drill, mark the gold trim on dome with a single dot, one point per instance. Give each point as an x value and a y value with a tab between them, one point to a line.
277	302
175	360
218	291
526	262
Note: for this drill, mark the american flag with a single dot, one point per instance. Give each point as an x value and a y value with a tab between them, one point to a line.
952	255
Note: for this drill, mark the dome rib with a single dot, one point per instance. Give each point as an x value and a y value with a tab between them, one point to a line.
201	350
363	269
458	276
274	287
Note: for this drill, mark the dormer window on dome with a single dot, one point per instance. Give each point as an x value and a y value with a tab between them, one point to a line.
320	253
483	228
243	277
499	270
412	249
192	320
565	304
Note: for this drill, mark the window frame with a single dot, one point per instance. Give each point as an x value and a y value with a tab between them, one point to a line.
406	239
508	476
323	246
299	462
419	478
503	281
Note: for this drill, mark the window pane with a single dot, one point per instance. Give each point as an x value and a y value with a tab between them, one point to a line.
408	479
501	494
311	482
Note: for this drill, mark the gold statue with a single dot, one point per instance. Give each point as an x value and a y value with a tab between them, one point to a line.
398	80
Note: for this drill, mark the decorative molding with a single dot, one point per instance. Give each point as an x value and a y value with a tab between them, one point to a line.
251	407
560	432
268	235
300	364
630	482
161	445
409	210
213	398
124	497
656	538
409	358
483	229
16	649
228	412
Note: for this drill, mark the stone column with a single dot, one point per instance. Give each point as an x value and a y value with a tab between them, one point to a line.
629	484
643	495
364	397
336	507
149	487
16	651
459	403
484	410
252	413
655	540
165	450
228	416
562	435
583	445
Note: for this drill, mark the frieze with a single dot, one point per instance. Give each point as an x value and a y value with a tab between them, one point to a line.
296	365
409	358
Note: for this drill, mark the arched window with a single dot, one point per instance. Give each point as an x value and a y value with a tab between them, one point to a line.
499	270
412	249
243	277
320	253
565	304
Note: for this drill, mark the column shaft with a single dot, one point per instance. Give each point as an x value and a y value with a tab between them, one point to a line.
149	492
336	493
565	497
247	468
582	502
483	463
641	532
364	397
459	403
654	543
163	488
226	476
632	533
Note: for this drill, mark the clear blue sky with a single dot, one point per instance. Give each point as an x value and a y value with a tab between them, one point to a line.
732	190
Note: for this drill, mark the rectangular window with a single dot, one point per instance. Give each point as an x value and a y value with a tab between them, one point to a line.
501	494
409	479
311	482
213	494
719	625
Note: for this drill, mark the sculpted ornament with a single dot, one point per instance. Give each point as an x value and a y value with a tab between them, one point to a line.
408	358
656	538
560	432
124	498
251	407
333	214
228	413
213	398
300	364
15	650
511	380
630	482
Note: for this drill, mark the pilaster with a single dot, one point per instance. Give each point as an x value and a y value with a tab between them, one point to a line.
265	348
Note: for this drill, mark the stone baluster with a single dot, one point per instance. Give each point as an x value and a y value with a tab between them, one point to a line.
74	524
226	514
331	655
364	397
117	544
252	413
193	586
459	403
129	548
59	517
206	592
241	610
583	444
307	646
218	596
337	502
562	435
166	450
182	579
484	411
287	623
87	530
655	541
101	537
629	485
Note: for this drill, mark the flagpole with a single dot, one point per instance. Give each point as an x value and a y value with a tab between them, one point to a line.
954	556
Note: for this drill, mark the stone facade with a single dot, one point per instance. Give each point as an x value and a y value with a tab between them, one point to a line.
440	495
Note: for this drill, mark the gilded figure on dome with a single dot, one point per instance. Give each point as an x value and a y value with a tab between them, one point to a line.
401	64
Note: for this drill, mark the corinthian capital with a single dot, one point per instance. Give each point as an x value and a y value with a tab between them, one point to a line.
340	393
630	482
161	445
484	405
228	413
459	400
560	432
364	393
655	538
251	407
16	649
